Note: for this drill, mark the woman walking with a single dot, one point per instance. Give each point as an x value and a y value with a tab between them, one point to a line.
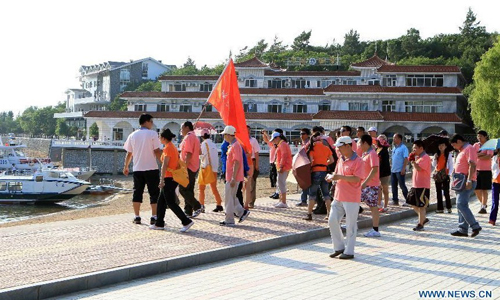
443	168
209	156
283	165
170	161
495	188
384	171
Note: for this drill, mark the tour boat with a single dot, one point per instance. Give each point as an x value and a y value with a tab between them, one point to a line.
12	158
43	186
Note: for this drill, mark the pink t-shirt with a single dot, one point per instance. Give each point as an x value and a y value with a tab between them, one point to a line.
283	157
370	160
467	154
422	178
272	152
349	191
191	144
234	154
483	164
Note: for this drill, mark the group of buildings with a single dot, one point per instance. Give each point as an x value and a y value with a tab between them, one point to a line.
415	101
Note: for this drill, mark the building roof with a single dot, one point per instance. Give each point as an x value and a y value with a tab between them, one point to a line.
189	77
311	73
386	89
194	115
203	95
257	91
418	69
421	117
348	115
251	63
372	62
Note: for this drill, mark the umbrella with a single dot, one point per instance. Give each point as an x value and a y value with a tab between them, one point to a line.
301	166
432	142
199	126
492	144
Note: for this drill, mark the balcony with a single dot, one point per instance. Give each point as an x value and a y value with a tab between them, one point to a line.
91	100
76	114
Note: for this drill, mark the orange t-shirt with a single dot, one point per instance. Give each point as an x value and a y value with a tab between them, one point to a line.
319	156
170	151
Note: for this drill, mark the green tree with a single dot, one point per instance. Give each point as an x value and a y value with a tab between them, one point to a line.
411	43
149	86
301	42
485	97
118	104
258	49
62	128
352	45
94	130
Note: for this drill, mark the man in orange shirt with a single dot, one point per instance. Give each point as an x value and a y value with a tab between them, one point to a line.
419	194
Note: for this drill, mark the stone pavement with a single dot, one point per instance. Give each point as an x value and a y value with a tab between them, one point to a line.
398	265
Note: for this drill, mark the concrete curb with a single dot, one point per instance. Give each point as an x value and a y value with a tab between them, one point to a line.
54	288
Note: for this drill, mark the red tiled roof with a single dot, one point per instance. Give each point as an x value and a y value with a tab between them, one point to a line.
194	115
251	63
165	95
372	62
418	69
311	73
256	91
421	117
189	77
387	89
348	115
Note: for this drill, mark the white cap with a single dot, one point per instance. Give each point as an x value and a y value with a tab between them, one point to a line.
229	130
275	135
343	140
372	129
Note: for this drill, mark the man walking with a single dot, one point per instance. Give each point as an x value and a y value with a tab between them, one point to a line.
305	135
143	145
398	169
347	197
234	176
190	154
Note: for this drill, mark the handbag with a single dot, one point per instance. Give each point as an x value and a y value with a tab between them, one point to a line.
180	175
206	175
440	176
458	182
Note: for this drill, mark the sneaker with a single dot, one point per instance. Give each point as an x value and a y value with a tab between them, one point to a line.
372	233
301	204
383	210
482	211
196	213
418	228
154	227
152	221
308	217
186	227
224	223
475	232
218	208
202	209
281	205
336	253
275	196
137	220
426	221
458	233
449	210
440	211
346	256
244	215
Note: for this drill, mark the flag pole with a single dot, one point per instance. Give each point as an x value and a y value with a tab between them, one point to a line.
218	80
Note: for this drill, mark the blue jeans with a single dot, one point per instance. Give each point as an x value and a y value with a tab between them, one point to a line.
303	195
495	192
395	179
319	182
465	216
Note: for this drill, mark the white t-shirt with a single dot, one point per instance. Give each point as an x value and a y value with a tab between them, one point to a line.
255	146
214	155
142	144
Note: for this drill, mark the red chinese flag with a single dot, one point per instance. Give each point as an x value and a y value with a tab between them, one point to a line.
225	97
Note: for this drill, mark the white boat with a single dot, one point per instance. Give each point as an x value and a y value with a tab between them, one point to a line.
13	158
45	186
81	173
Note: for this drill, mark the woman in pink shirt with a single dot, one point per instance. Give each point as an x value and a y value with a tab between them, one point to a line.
483	167
418	196
370	186
283	165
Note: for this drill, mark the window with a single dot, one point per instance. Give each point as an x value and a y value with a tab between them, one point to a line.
390	80
251	83
180	87
3	186
274	108
299	108
250	107
185	108
324	106
144	70
326	83
275	83
424	106
424	80
140	107
209	108
349	82
373	82
300	83
15	186
388	105
206	87
162	107
124	78
358	106
117	134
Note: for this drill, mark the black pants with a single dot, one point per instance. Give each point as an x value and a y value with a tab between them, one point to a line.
190	202
273	175
239	193
167	197
440	188
151	178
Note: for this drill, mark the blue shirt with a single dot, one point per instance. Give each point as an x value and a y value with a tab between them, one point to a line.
399	153
223	158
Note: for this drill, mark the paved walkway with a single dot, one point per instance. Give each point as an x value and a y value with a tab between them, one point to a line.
396	266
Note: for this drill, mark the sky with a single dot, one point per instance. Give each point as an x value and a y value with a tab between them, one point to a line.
44	43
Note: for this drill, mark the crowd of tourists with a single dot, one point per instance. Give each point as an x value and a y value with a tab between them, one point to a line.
346	169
